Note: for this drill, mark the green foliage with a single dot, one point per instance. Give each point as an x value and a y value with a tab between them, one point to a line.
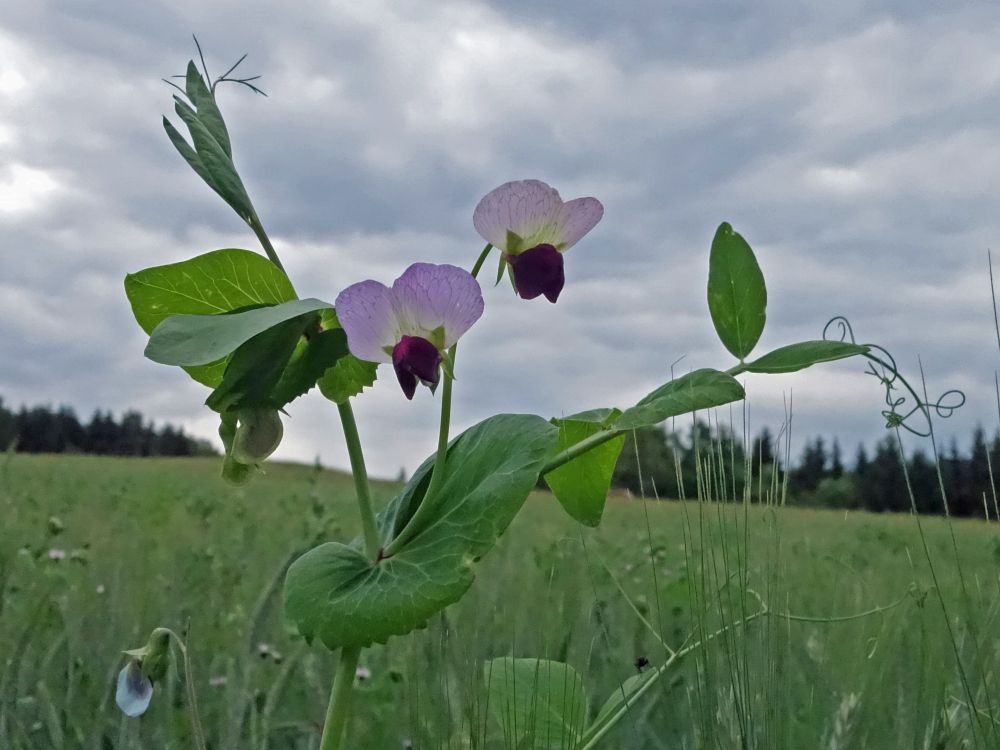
538	703
334	592
255	368
350	375
737	297
200	339
535	594
211	154
312	359
621	701
581	486
217	282
804	354
701	389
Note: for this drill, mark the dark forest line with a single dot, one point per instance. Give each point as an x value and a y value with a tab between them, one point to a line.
665	464
654	462
44	429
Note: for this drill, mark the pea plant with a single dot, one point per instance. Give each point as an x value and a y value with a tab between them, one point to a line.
231	319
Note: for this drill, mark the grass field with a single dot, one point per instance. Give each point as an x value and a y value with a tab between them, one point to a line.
165	542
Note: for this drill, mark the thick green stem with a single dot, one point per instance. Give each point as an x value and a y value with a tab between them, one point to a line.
340	700
361	486
427	504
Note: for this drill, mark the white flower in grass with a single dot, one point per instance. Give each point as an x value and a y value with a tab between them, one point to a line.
135	690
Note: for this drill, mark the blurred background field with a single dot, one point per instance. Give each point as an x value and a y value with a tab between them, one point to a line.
97	551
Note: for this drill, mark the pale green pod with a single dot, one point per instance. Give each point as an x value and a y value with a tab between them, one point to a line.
257	436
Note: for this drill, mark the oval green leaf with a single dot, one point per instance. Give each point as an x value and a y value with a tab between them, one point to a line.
335	593
737	297
701	389
188	340
804	354
216	282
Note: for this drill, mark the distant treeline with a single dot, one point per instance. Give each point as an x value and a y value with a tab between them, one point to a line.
42	429
821	476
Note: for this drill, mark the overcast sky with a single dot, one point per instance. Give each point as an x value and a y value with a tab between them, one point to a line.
855	146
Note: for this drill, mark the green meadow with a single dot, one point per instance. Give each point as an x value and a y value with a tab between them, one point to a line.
799	628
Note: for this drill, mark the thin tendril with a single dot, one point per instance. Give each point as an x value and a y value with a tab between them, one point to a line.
901	408
224	78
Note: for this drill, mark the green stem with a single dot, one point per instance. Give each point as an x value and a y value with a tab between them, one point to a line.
599	438
481	259
437	473
265	241
427	504
340	700
360	473
196	728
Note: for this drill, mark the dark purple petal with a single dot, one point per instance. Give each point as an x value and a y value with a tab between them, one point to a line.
414	359
538	271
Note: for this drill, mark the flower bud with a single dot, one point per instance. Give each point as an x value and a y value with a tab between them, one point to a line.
257	436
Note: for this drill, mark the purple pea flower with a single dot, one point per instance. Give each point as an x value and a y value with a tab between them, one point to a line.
533	227
412	323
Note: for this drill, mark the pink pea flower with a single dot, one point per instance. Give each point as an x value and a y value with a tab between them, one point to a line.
57	554
363	673
533	227
412	323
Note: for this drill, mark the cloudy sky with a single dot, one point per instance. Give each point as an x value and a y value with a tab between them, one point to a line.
855	145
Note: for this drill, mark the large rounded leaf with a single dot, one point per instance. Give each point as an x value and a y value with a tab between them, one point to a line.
334	592
217	282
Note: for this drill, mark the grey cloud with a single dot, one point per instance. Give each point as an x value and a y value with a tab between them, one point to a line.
850	143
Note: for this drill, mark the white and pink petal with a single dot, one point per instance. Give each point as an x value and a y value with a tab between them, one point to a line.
368	316
528	208
428	297
575	219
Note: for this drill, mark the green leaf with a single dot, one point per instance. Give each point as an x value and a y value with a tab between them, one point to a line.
208	111
539	703
223	177
737	297
581	486
350	375
311	359
701	389
336	593
621	700
199	339
217	282
185	149
256	367
804	354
